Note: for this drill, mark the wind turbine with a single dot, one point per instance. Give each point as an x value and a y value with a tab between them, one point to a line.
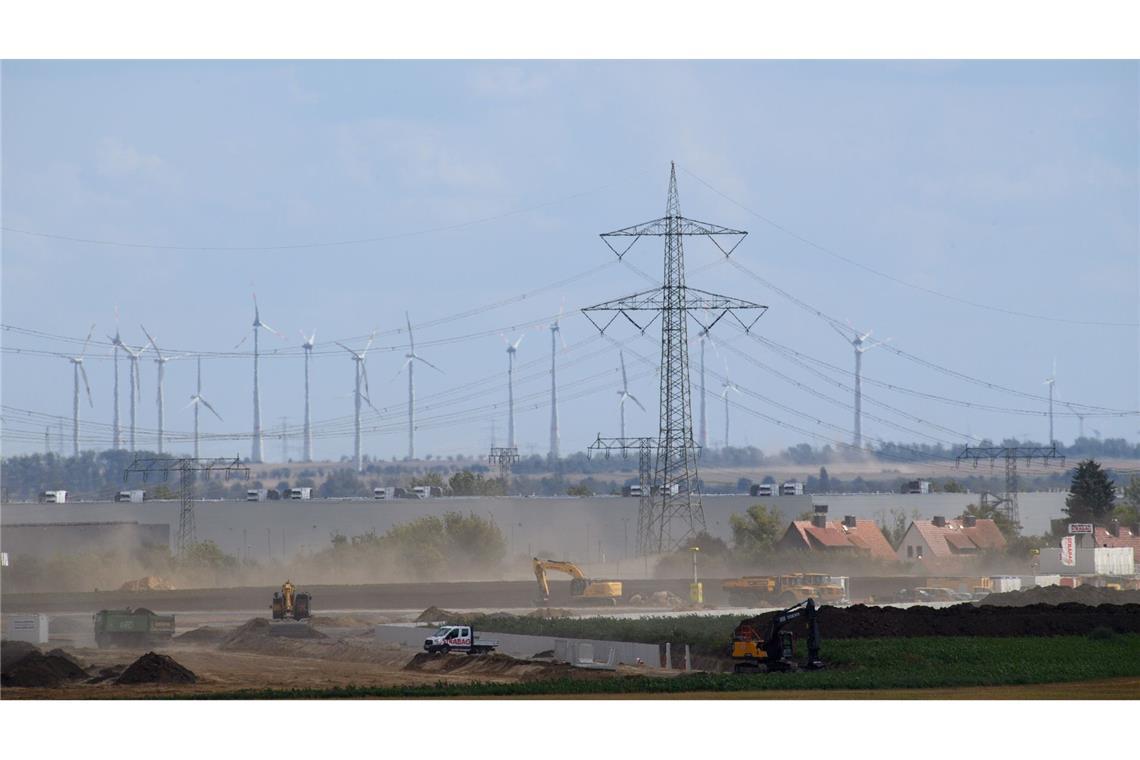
861	345
116	428
197	400
308	346
725	387
361	374
1051	381
256	455
160	361
136	382
410	360
555	335
77	370
624	394
511	349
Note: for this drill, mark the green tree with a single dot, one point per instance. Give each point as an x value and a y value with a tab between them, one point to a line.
207	554
952	486
1127	512
578	490
755	532
1091	495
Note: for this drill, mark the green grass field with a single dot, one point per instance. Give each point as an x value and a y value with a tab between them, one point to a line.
856	664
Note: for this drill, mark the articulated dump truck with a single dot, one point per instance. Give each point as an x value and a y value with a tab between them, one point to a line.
132	627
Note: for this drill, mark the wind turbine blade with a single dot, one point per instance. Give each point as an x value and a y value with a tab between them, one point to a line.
425	361
86	385
138	379
411	338
633	398
841	333
241	342
624	383
193	400
346	348
87	340
206	404
371	337
256	313
515	345
148	337
364	376
270	329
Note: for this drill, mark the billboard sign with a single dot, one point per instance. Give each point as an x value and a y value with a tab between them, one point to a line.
1069	551
1080	527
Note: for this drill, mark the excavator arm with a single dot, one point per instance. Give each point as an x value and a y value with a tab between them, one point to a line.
578	584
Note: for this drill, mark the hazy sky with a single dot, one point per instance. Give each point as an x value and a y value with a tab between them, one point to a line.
1010	184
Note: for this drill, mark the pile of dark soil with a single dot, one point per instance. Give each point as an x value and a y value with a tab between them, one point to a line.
256	630
1060	595
37	669
203	635
437	615
496	665
861	622
11	651
156	668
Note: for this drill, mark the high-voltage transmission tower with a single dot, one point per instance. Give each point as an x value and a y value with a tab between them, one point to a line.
504	457
1008	502
676	513
644	447
187	469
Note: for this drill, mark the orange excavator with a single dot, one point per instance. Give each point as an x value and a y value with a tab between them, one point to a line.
583	590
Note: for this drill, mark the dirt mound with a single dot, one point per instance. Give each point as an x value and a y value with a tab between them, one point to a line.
57	652
498	666
147	583
256	631
860	621
656	599
203	635
435	614
11	651
156	668
1090	595
37	669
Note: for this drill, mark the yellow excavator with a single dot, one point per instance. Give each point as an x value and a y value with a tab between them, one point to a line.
288	603
583	590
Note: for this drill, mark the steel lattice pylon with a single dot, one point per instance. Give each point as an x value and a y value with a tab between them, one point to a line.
1008	503
674	493
187	469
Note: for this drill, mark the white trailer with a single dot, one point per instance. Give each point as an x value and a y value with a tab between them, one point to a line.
257	494
53	497
304	493
134	497
792	488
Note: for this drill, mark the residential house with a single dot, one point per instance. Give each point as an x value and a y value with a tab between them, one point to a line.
940	539
850	536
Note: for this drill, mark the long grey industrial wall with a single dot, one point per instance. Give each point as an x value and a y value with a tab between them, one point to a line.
517	645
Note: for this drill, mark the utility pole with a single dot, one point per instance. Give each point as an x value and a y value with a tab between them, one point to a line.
1008	503
677	513
284	439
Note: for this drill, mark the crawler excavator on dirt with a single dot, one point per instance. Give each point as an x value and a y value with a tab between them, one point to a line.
288	603
774	650
583	590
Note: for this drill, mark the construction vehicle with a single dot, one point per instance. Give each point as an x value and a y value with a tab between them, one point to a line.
583	590
288	603
132	627
774	650
460	638
785	590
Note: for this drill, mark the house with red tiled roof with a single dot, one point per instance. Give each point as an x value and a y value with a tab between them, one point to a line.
850	536
1117	536
942	539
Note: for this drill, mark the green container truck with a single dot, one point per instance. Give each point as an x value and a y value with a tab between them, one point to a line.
132	627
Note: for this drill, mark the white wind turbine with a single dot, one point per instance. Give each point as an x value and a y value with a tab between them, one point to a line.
555	336
861	343
116	428
624	395
136	382
725	387
197	400
256	455
308	346
77	370
410	360
160	361
361	374
512	348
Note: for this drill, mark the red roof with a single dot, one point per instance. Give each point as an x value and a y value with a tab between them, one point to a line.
954	538
1126	539
865	537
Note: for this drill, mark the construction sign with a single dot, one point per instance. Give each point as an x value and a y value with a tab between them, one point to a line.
1080	527
1069	551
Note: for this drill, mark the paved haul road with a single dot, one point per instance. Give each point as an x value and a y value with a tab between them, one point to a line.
387	596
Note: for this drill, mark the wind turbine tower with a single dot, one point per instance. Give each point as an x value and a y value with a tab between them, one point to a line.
308	346
512	348
725	387
77	370
624	395
197	400
861	343
361	375
256	453
410	360
1051	381
160	361
116	428
555	335
136	383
